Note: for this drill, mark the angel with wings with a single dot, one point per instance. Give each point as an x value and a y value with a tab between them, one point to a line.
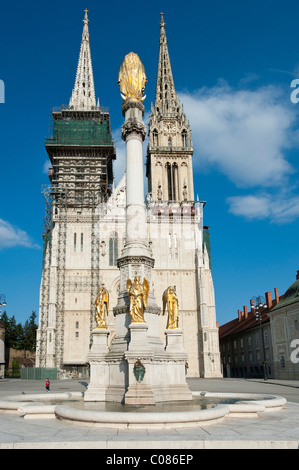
138	294
171	301
101	304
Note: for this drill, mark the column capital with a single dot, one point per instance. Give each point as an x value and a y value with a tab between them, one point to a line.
135	127
132	103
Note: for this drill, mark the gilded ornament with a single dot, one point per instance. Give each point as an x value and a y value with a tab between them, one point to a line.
101	304
132	78
171	301
138	295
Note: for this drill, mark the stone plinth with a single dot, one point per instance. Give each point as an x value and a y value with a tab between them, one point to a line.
139	357
174	341
99	367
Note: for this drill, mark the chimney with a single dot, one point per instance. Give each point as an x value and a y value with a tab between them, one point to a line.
268	299
240	315
297	276
276	295
245	312
252	307
217	324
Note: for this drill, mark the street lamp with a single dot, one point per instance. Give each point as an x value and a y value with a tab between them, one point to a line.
2	301
259	304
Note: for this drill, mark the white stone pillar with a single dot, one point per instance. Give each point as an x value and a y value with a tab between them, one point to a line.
134	133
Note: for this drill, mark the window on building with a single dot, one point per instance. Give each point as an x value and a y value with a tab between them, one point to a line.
282	361
184	138
258	356
266	336
113	250
172	181
81	242
75	241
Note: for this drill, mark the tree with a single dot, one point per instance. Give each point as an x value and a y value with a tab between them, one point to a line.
30	327
17	336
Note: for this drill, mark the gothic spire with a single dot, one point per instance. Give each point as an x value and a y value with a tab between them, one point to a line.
166	98
83	95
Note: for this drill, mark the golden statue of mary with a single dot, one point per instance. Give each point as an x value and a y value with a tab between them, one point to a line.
132	78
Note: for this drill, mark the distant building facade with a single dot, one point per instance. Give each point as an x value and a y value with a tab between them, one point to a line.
284	321
246	344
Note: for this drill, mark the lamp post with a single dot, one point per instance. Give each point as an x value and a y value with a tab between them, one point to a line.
259	304
2	301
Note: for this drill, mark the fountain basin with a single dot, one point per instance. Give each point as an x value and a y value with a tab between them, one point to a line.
218	406
142	420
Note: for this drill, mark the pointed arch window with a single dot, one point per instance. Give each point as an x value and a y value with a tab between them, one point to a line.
185	138
155	137
172	181
113	249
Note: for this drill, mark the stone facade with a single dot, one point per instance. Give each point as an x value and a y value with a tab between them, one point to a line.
284	321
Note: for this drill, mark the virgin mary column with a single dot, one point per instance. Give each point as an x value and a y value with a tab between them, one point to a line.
141	371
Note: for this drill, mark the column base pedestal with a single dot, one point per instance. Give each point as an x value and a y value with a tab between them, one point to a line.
99	367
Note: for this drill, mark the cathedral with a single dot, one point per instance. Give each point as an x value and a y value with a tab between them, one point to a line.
85	225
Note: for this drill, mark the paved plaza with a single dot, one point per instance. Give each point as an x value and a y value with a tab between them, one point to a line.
272	430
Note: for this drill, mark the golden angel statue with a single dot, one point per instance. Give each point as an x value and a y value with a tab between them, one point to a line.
138	294
170	299
101	304
132	78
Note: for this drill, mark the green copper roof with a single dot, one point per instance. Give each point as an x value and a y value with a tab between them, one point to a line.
80	132
290	297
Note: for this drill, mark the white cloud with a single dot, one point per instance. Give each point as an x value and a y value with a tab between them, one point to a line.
251	207
242	132
119	164
278	208
12	236
46	166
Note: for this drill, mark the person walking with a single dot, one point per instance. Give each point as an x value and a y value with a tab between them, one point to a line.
47	385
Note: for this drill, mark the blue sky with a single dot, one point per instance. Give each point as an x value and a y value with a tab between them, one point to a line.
233	63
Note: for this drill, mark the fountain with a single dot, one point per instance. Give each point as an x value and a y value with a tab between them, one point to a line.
137	383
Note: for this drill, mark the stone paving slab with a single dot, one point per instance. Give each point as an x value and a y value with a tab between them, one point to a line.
277	430
271	430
